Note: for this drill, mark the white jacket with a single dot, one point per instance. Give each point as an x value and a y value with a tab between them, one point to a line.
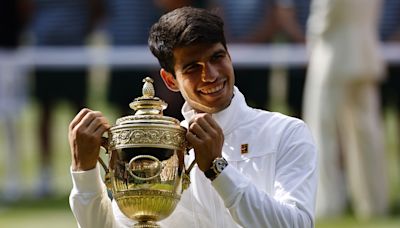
272	185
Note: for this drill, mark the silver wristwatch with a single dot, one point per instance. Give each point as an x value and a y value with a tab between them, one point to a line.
216	168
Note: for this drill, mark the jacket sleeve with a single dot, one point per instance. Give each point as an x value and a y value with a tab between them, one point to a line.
292	202
89	200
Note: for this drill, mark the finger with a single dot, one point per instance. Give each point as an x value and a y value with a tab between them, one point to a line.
103	127
96	122
78	117
90	117
215	130
205	125
84	124
209	126
193	139
196	129
210	121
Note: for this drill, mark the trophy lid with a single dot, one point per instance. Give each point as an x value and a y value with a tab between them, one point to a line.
148	126
148	107
148	104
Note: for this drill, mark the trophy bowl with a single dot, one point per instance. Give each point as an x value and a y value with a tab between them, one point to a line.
146	172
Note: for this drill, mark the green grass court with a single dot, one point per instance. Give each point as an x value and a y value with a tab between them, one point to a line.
54	212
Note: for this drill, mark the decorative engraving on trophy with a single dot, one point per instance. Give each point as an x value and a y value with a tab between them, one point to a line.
125	137
146	136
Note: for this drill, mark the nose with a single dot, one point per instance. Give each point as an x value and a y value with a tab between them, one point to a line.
209	72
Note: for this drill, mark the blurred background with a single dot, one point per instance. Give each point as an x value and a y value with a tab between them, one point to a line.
59	56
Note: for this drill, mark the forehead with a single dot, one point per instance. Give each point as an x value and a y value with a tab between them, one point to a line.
195	52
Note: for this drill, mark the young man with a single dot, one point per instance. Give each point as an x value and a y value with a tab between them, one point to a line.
272	183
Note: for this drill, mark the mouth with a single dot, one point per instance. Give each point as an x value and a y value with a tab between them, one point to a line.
213	89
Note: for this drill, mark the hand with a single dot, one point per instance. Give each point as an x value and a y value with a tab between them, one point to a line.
207	139
85	132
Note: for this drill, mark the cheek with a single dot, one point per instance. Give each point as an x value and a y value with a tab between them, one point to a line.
188	86
186	94
230	71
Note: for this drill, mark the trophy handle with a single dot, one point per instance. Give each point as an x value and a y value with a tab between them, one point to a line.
187	171
107	176
188	148
159	167
186	174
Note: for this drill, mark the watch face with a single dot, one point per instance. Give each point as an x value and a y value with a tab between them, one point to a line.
220	164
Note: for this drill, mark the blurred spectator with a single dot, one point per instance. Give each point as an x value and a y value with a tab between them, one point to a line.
59	23
168	5
389	27
342	106
292	18
128	23
249	22
390	33
13	17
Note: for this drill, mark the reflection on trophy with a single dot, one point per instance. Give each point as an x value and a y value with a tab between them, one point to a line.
146	171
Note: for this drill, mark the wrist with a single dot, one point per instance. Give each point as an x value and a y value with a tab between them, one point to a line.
217	166
76	167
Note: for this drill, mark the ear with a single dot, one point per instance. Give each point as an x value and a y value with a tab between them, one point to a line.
169	80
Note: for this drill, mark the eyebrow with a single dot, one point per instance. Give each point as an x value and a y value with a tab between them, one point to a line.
189	64
220	51
216	52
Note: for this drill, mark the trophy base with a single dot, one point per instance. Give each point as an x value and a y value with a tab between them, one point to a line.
146	224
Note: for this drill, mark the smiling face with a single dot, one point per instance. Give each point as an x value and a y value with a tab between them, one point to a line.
204	76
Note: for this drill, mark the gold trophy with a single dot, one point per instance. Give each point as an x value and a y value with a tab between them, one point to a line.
146	172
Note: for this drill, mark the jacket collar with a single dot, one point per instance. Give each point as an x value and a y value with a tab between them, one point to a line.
229	118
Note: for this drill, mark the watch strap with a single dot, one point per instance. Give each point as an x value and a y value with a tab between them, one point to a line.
211	174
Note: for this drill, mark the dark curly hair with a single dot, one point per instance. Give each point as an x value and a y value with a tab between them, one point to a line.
181	27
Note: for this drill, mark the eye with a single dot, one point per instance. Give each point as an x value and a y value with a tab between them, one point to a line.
192	68
218	56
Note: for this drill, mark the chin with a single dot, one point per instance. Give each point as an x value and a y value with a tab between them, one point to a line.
209	109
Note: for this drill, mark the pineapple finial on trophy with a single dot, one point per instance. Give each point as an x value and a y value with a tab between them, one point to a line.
148	88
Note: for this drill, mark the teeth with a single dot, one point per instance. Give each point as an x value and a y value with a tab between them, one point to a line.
212	90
